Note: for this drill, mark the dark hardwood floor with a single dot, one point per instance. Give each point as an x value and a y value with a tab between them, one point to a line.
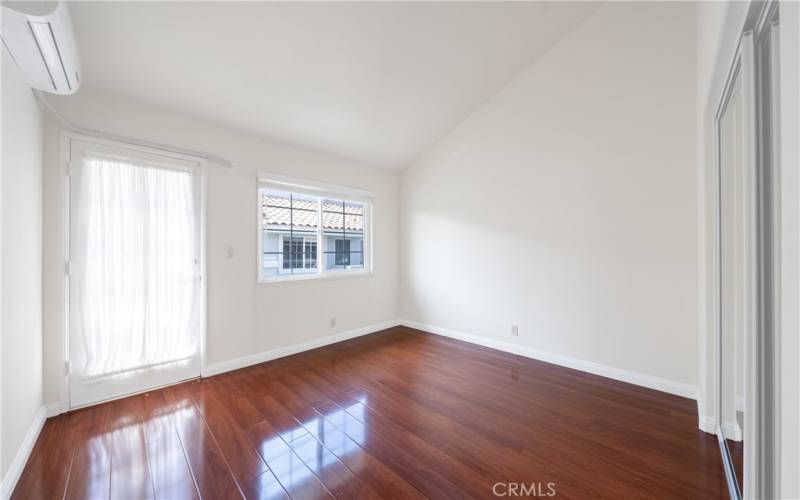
397	414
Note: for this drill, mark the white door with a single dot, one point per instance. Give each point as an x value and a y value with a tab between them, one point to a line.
134	271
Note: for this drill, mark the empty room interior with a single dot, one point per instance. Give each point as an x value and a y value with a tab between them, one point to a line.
400	250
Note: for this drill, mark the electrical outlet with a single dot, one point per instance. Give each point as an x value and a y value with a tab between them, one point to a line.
333	322
515	330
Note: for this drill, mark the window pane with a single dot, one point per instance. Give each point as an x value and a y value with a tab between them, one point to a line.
343	234
332	220
293	225
289	224
342	256
310	254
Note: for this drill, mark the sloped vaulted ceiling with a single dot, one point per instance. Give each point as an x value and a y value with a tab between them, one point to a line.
376	82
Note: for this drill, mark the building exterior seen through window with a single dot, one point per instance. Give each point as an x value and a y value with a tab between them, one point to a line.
302	235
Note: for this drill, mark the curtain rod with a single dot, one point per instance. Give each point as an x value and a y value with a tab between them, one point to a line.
230	165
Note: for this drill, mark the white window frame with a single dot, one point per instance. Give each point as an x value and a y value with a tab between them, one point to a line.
321	191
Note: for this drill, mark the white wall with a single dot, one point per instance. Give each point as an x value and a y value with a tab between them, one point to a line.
21	261
243	318
567	204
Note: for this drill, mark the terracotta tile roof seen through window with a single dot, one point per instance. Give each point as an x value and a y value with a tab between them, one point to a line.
275	211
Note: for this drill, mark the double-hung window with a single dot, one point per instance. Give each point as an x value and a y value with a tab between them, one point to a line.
307	232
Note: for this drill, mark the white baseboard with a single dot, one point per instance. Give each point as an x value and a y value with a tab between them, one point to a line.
254	359
707	424
21	458
732	431
52	409
631	377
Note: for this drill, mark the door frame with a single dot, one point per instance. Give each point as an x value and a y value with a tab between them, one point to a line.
66	140
762	427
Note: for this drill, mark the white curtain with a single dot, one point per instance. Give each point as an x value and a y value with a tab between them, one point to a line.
134	256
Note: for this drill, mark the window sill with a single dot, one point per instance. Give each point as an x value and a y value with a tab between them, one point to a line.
310	278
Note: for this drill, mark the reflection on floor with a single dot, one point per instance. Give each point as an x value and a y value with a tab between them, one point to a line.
396	414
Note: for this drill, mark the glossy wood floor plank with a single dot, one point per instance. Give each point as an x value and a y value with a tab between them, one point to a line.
371	471
50	462
242	458
296	478
172	477
265	486
332	473
542	462
405	453
128	450
90	474
397	414
210	470
622	461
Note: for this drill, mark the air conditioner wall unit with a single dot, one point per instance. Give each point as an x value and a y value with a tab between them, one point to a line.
39	37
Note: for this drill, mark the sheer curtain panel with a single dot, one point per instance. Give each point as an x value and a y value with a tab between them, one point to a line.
134	258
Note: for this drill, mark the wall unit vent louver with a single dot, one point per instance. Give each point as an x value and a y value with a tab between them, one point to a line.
39	37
